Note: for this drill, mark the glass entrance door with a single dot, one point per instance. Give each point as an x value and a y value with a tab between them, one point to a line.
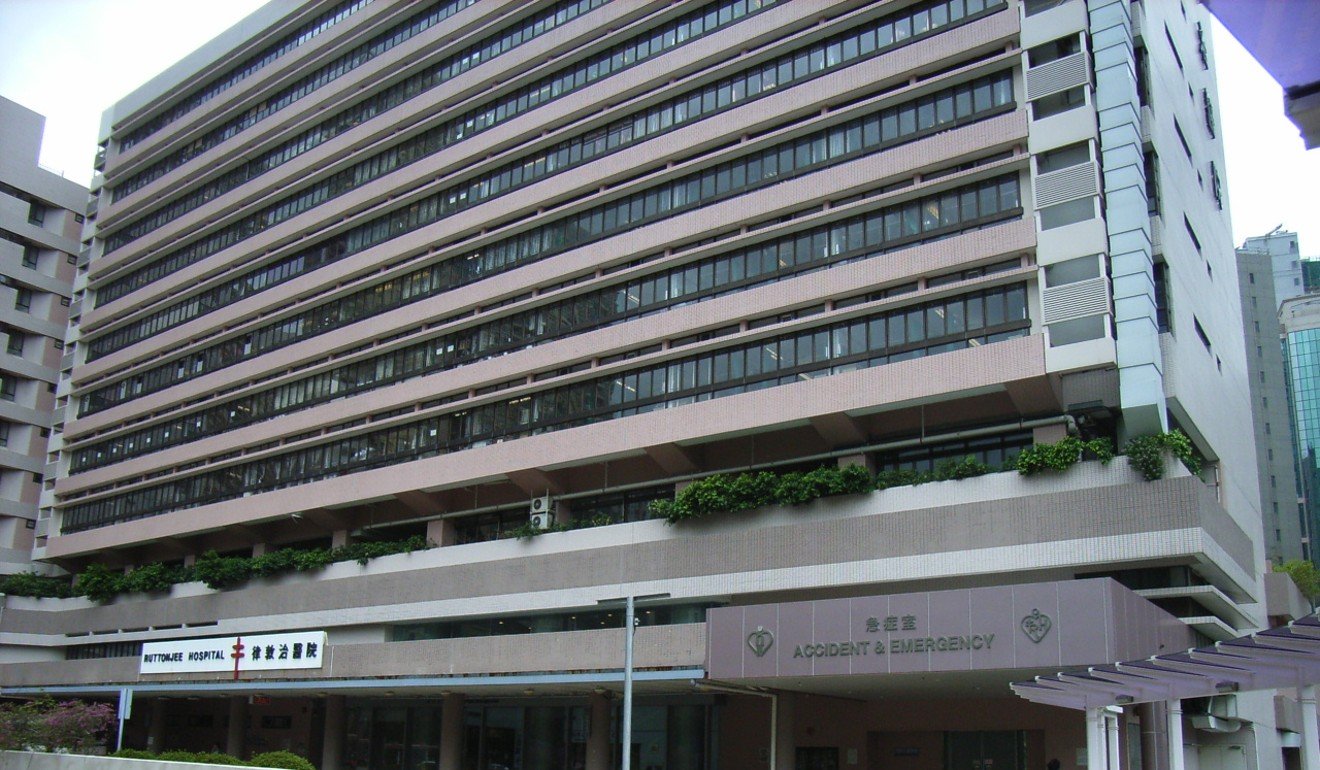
985	750
817	758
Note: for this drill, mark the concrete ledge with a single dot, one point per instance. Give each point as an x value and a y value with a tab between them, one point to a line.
38	760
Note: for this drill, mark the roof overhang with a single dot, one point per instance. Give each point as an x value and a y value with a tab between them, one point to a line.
1288	656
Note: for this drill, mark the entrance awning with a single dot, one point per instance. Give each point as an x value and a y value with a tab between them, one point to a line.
1288	656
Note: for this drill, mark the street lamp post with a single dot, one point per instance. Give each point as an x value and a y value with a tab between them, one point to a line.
629	627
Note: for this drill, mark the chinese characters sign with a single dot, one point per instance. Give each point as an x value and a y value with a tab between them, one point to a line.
237	654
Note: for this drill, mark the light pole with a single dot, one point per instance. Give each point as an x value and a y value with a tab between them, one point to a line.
629	627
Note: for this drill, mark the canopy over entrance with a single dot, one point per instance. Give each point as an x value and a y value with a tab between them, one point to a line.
1288	656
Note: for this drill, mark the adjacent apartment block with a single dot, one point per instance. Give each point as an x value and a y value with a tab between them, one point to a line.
1272	273
40	221
500	275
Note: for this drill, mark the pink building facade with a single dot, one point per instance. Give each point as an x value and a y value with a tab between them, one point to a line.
498	276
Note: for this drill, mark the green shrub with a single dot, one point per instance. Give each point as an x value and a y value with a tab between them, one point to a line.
524	531
151	578
362	552
1146	453
217	758
274	562
281	759
133	754
311	559
902	477
39	586
179	755
966	468
219	572
99	583
731	493
1304	574
1062	454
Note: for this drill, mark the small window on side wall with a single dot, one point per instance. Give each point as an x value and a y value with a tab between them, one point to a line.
1067	213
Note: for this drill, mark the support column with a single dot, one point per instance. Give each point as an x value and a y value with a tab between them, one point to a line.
451	732
598	739
1154	735
785	738
1111	741
332	741
156	731
1310	733
1095	738
340	538
1177	757
441	531
234	740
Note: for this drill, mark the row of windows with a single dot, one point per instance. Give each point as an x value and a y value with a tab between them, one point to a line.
99	650
575	620
929	218
951	323
690	106
341	65
869	133
860	42
245	68
571	78
493	46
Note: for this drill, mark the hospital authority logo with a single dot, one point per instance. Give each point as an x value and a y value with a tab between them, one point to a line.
760	641
1036	625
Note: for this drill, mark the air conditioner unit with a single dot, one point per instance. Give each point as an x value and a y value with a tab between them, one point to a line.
542	511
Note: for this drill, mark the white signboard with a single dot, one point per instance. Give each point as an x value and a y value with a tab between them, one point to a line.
268	652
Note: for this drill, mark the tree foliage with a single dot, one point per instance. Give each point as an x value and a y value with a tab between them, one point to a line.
1305	574
46	725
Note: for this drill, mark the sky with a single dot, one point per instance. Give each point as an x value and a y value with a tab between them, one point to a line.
71	59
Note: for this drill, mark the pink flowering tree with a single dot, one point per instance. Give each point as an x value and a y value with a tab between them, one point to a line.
45	725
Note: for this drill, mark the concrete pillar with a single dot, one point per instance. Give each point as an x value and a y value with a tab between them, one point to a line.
598	739
260	549
1310	734
234	739
1154	735
339	538
1111	741
441	531
785	738
1177	758
451	732
1049	434
156	730
861	459
1095	738
336	724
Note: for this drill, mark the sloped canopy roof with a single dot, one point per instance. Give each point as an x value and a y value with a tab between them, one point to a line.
1288	656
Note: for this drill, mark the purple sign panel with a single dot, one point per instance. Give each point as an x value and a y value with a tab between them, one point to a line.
1074	622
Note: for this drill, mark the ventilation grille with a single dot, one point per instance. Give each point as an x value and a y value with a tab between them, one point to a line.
1058	75
1076	300
1066	184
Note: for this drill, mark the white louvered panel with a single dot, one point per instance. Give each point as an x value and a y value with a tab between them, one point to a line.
1156	235
1066	184
1076	300
1058	75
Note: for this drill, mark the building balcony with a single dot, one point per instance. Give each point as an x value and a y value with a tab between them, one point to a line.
1001	528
